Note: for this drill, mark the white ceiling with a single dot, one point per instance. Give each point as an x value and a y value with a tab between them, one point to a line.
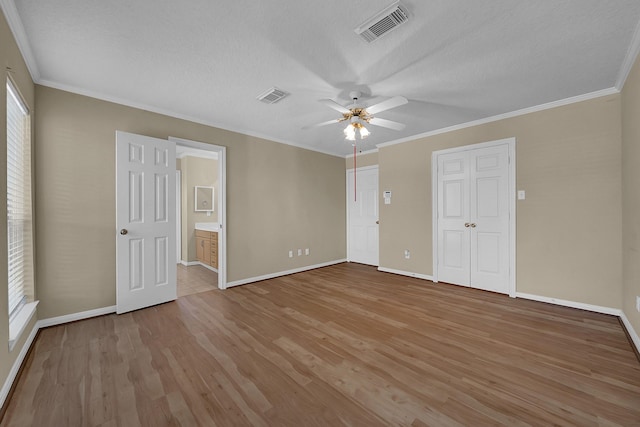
207	60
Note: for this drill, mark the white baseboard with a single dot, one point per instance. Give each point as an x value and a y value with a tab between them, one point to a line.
192	263
632	332
6	387
208	267
572	304
283	273
54	321
406	273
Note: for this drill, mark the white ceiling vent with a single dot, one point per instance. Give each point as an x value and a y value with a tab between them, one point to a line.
383	22
272	96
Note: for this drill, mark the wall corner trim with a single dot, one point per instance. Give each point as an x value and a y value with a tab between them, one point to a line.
67	318
283	273
629	59
13	373
406	273
632	332
44	323
571	304
20	35
589	307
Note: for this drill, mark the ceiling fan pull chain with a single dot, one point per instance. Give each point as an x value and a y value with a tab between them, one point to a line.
355	196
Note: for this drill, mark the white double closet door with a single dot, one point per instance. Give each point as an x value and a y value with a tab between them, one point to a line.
473	218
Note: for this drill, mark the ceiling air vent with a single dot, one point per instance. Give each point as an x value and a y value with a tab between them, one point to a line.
272	96
383	22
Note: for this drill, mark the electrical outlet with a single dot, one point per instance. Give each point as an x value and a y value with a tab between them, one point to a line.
299	252
407	254
306	251
638	303
290	254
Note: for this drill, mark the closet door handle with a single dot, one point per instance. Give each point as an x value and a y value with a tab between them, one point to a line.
124	231
466	224
473	225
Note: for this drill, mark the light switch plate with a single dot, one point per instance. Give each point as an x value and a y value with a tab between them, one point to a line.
521	195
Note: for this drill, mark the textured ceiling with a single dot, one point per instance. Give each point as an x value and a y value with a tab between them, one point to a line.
207	60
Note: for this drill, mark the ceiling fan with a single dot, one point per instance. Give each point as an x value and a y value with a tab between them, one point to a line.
358	115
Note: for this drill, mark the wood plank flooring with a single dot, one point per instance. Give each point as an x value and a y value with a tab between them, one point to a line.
195	279
341	345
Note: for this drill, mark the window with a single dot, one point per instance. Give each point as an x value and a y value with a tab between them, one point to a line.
19	208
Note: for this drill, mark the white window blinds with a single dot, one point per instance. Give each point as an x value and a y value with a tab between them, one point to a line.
19	221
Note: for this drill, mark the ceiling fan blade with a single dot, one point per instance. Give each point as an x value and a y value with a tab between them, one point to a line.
333	104
390	103
386	123
328	122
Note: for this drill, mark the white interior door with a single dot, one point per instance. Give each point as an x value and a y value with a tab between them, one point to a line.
453	218
473	218
145	221
363	215
489	217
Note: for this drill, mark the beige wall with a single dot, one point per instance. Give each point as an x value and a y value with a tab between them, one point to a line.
362	160
568	228
571	243
279	197
631	195
9	58
202	172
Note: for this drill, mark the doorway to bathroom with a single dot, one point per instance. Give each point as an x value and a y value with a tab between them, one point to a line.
200	213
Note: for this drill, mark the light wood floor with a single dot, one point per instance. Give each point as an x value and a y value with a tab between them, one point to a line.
342	345
195	279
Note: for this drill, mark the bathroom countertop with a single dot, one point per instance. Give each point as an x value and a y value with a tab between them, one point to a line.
207	226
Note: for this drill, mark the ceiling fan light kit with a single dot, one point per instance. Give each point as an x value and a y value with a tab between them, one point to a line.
358	116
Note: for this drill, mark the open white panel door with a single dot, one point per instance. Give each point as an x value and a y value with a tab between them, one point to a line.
145	221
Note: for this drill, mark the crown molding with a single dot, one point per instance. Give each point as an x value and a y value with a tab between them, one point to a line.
170	113
630	59
15	23
528	110
20	35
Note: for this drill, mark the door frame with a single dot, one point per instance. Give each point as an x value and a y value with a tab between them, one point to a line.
363	168
221	199
511	144
178	216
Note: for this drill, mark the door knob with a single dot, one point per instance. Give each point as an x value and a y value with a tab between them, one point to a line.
473	225
124	231
466	224
377	222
